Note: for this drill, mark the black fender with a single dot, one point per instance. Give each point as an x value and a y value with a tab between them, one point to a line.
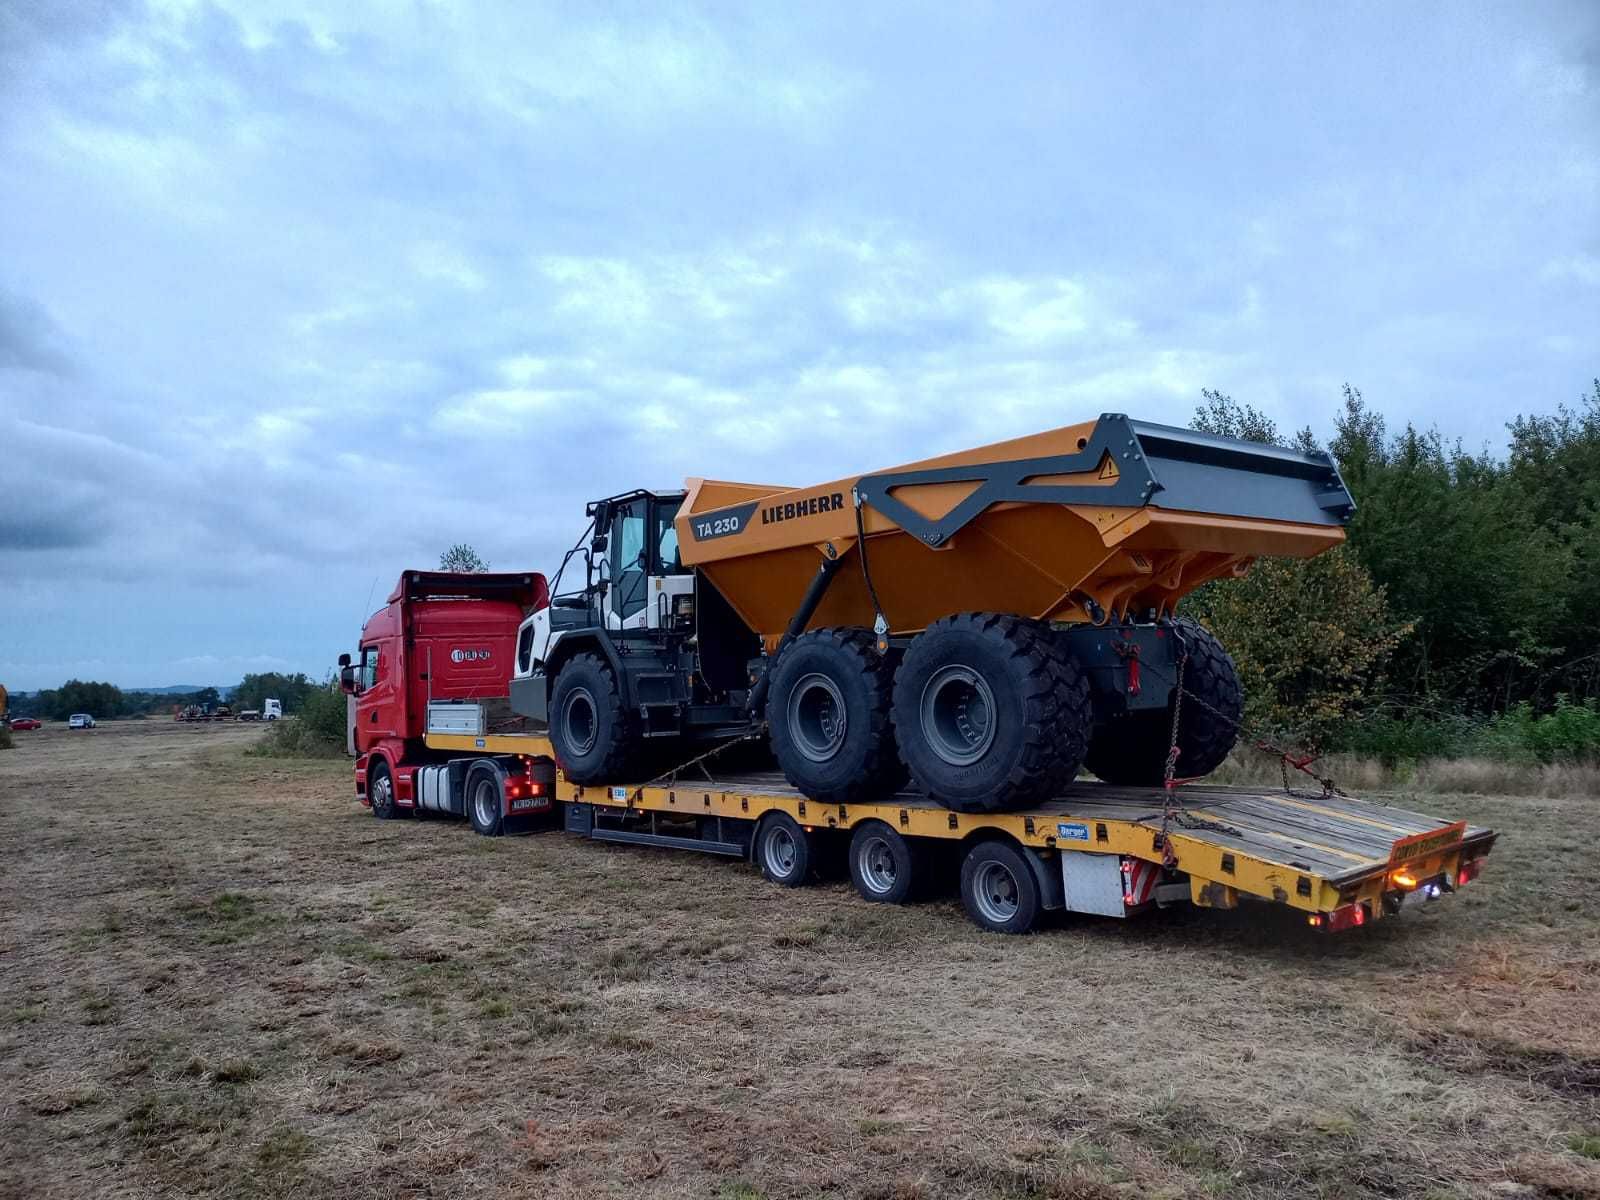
577	642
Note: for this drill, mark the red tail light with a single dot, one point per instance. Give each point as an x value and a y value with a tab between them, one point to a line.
1469	871
1345	917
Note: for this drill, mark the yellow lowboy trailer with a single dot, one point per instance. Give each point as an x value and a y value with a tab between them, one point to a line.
1097	848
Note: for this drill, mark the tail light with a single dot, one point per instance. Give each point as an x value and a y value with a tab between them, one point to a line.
1468	871
1345	916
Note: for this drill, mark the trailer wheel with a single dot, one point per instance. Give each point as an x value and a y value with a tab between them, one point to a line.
783	850
828	713
380	791
1132	749
990	712
486	802
998	888
594	736
884	866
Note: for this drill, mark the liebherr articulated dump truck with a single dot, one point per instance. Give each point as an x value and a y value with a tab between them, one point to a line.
931	654
988	622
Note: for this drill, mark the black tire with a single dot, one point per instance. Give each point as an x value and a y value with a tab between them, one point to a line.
884	866
998	888
595	737
819	677
380	791
783	850
1132	749
990	712
486	802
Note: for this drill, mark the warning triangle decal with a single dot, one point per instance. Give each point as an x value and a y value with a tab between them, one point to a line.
1108	468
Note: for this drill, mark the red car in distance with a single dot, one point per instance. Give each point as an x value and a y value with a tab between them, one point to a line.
25	723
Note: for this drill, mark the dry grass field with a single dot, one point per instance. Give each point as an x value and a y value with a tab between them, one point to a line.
220	976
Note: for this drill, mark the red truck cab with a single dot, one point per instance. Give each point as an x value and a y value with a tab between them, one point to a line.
442	636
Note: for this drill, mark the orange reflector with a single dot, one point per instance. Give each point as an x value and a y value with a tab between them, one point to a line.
1314	920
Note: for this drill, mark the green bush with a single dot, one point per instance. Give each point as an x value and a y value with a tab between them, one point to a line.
1393	739
318	731
1570	733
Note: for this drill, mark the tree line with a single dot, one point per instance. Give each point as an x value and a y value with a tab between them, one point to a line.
1466	600
106	701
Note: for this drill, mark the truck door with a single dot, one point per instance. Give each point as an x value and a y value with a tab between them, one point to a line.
629	562
669	579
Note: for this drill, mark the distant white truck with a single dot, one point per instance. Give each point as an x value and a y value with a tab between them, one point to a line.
272	710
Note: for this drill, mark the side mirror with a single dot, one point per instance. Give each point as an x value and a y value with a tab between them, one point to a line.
602	517
347	678
599	543
344	660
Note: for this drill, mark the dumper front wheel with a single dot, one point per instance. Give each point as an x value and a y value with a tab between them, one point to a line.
828	713
594	736
990	713
1133	749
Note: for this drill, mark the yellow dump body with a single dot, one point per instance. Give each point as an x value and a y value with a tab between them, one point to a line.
1097	521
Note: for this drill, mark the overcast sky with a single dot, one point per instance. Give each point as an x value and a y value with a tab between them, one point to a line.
290	302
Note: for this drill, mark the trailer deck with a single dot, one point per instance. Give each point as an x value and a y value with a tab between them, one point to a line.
1342	861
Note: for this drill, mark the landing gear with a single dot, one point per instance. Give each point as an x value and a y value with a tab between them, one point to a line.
990	713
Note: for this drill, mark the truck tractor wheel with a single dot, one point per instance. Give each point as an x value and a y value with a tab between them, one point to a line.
828	713
783	850
884	866
1132	749
990	712
594	736
380	791
485	802
998	888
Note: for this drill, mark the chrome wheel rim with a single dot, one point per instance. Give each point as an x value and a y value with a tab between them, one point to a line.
958	715
483	802
995	891
816	715
780	852
877	865
580	720
382	792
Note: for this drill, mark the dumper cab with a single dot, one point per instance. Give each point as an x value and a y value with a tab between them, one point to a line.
647	650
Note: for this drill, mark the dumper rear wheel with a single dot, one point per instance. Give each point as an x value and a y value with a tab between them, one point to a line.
828	713
594	735
990	713
1132	749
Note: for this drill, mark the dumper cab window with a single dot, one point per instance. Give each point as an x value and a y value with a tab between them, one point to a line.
665	537
629	561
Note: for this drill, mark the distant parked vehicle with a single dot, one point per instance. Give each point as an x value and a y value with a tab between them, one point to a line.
80	721
272	710
25	723
249	714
